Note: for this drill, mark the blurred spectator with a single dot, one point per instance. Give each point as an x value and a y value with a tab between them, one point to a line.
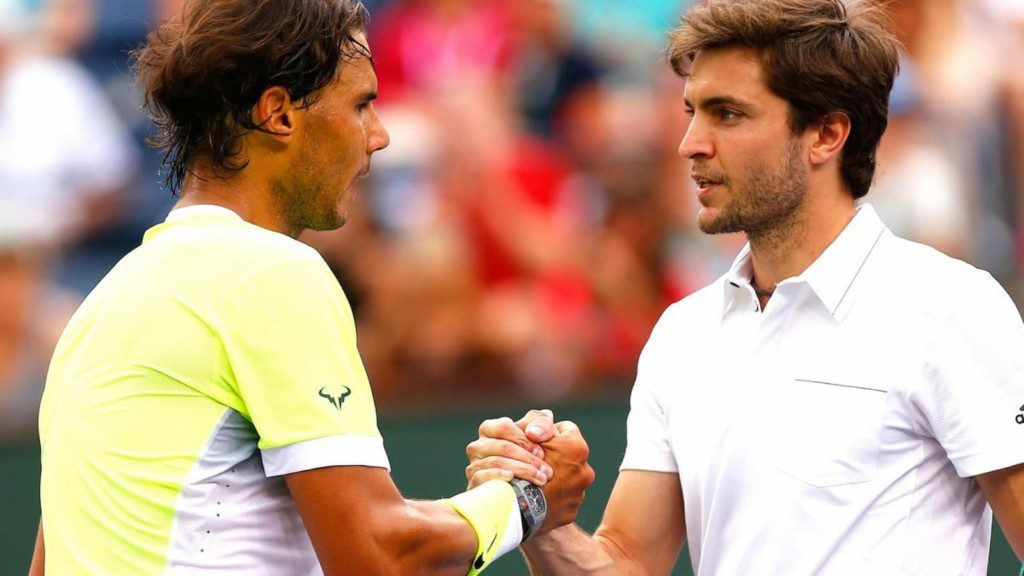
64	158
959	87
32	314
531	218
918	191
427	45
551	67
62	147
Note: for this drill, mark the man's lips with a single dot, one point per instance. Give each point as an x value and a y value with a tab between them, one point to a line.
705	184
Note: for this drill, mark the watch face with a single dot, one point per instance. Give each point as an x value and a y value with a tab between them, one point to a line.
532	506
538	503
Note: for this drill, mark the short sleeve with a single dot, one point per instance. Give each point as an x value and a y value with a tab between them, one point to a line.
648	443
973	398
291	347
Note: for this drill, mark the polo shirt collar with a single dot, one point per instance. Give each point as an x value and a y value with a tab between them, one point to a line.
831	275
197	210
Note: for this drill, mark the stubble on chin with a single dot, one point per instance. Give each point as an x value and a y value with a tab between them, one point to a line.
304	204
767	205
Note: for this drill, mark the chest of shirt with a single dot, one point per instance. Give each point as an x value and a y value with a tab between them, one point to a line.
802	397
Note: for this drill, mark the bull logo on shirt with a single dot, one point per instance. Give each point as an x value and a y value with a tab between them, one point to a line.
335	401
1020	417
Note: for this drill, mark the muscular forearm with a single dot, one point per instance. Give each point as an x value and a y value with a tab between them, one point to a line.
570	550
436	536
360	524
410	537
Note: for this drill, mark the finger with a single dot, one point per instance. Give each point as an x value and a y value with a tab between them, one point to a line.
505	429
479	477
538	425
533	415
575	443
568	428
489	447
541	430
538	476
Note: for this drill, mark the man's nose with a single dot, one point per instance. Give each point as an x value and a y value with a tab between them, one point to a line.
379	137
696	142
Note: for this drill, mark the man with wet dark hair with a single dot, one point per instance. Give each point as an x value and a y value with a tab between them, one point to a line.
206	410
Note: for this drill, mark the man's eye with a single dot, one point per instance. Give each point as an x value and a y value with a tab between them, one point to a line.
689	112
726	114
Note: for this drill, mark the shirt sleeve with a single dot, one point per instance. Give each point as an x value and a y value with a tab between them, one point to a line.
292	351
973	399
648	442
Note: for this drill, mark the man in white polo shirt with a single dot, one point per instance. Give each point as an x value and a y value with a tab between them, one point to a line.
842	401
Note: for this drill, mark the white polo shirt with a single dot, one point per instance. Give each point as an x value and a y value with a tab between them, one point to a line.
837	431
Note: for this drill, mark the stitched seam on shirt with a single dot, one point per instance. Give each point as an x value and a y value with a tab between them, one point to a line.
808	380
857	274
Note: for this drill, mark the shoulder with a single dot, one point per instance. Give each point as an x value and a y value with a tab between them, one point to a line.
937	286
234	245
692	315
277	247
285	261
933	276
225	260
702	305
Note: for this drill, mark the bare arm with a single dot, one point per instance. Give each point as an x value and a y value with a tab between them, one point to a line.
642	532
360	524
1004	490
38	556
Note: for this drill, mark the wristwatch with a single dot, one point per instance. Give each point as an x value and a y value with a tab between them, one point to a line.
533	508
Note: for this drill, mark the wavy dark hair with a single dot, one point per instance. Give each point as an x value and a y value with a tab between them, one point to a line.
821	56
203	71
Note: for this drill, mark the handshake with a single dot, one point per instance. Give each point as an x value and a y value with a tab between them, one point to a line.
537	449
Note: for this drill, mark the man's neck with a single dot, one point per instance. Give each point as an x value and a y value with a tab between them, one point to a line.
789	246
252	202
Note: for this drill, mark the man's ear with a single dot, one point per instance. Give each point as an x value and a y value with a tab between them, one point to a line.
829	137
275	114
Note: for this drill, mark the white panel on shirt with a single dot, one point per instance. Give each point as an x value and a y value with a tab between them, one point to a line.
835	432
232	518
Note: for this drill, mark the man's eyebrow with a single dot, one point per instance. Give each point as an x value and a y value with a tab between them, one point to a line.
719	101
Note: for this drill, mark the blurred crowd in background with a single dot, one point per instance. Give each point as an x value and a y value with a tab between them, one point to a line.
531	218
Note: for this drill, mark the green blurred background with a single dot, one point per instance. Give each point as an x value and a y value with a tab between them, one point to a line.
427	457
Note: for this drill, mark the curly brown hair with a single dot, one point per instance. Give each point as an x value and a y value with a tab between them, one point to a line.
203	71
820	56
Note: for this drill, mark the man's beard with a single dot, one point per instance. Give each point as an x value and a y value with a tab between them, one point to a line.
767	201
302	201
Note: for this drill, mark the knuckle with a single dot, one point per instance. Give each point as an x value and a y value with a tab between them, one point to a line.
507	450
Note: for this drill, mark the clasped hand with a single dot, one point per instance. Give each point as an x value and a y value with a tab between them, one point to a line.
535	448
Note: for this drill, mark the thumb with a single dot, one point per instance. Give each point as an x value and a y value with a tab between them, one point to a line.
538	425
541	430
